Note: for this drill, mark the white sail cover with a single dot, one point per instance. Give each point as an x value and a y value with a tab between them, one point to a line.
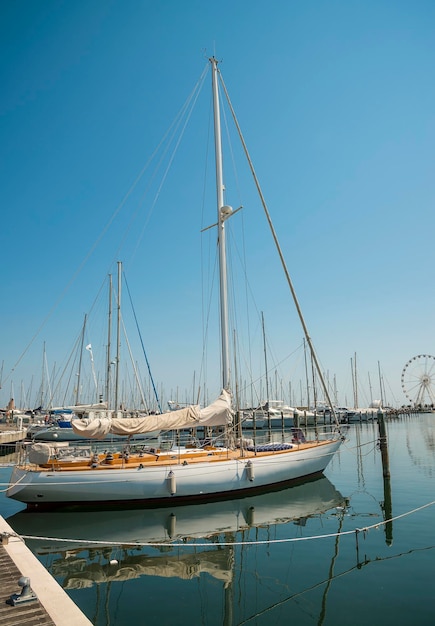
218	413
80	408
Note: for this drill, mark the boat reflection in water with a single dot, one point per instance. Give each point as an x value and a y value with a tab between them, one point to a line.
112	539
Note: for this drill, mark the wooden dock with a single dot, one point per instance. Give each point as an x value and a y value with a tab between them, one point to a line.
53	607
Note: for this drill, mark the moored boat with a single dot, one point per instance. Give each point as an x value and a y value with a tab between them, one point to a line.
221	465
67	529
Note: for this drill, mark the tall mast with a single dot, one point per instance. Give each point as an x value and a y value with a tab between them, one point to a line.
370	388
79	374
118	338
223	214
380	384
43	377
306	377
265	358
356	386
109	336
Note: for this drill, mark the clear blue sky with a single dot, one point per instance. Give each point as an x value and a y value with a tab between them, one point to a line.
337	104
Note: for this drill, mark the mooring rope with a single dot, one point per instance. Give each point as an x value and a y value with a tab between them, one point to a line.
194	544
11	485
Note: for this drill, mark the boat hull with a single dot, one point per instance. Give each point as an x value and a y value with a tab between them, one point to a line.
166	524
170	481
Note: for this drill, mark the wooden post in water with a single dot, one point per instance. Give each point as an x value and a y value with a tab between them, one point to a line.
383	445
296	420
387	506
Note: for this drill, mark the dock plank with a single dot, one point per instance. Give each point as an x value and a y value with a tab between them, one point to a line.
53	606
20	615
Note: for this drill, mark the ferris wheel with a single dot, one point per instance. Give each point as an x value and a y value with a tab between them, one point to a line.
418	380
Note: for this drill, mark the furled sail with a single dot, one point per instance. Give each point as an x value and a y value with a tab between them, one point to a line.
81	408
218	413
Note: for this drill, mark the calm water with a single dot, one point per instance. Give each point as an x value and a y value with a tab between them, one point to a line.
272	559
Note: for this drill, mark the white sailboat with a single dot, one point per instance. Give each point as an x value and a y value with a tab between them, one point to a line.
220	468
79	530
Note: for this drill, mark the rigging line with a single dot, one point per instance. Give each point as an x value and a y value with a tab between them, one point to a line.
134	366
97	241
234	242
281	256
249	289
231	151
151	158
194	544
143	347
356	449
71	359
191	102
206	314
50	313
260	376
243	264
205	309
277	364
73	352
